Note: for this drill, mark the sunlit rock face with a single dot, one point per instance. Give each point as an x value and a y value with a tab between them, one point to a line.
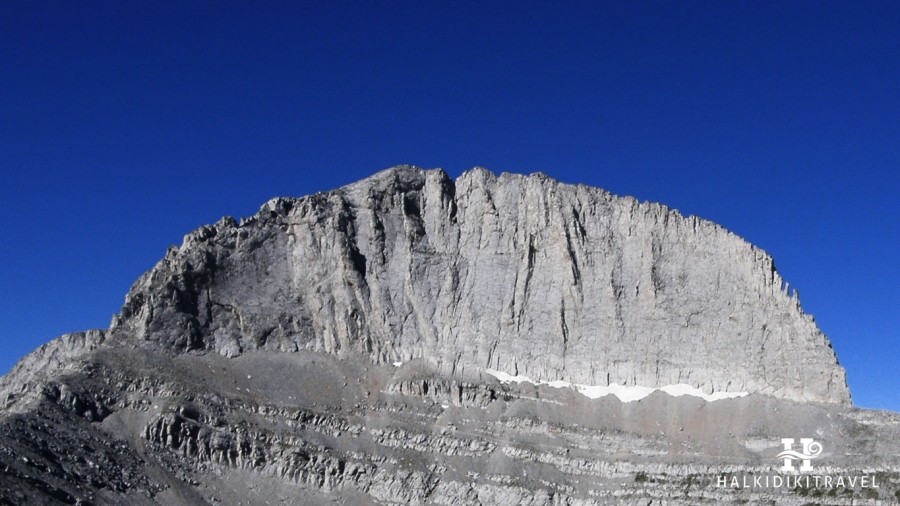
411	339
519	274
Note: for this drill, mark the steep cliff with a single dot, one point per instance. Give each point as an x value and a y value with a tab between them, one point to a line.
518	274
370	345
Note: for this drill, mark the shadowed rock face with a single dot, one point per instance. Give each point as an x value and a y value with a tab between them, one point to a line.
332	349
520	274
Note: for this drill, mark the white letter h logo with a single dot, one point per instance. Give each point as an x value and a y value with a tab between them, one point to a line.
809	452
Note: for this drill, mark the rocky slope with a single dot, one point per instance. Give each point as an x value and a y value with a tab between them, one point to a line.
135	426
342	348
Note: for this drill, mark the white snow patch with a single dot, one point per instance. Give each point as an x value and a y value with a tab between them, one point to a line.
506	378
624	393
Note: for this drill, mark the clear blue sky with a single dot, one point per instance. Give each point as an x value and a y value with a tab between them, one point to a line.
124	125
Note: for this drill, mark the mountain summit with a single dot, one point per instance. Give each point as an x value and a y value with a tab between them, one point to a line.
411	338
518	274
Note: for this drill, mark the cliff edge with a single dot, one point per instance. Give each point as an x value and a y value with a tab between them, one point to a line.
518	274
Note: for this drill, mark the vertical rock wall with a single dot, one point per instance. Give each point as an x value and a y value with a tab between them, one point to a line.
521	274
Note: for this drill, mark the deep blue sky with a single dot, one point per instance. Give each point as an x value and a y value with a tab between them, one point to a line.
124	125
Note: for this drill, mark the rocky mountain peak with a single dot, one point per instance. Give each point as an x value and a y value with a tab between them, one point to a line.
415	339
516	274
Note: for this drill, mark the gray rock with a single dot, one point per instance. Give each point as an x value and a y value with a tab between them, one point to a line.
520	274
332	349
133	425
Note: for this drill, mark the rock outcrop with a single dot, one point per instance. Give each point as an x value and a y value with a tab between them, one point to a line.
370	345
520	274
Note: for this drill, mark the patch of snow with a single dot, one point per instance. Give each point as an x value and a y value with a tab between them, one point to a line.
506	378
682	389
624	393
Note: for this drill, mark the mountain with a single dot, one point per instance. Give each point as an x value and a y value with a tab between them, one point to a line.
411	338
518	274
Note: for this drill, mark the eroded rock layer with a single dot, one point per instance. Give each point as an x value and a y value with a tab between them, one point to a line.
128	425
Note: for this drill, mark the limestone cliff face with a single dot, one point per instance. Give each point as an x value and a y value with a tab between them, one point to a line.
520	274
